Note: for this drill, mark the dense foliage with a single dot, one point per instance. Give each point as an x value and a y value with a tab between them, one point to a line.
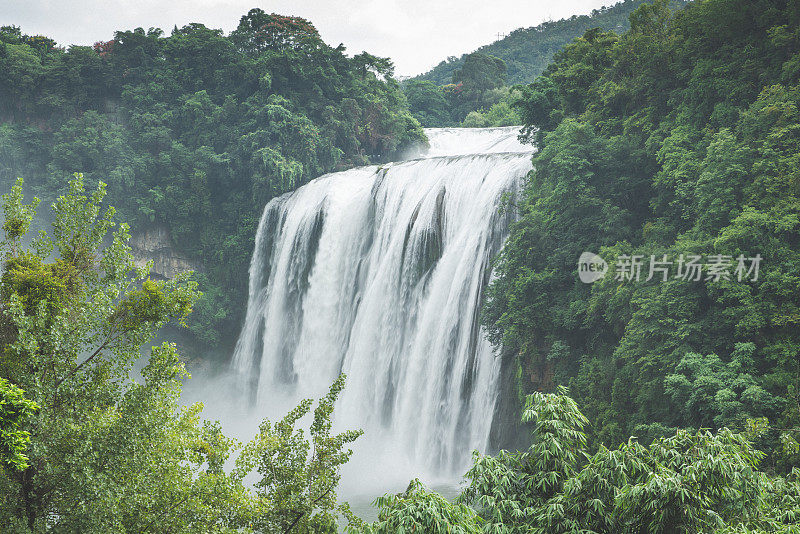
477	86
419	510
685	483
299	477
678	139
688	482
196	131
84	445
15	410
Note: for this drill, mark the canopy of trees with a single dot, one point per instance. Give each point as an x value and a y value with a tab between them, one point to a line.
84	447
196	131
678	137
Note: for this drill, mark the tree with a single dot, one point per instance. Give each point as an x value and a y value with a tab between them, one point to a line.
109	453
419	510
427	103
299	477
20	73
716	394
507	490
71	329
258	32
479	74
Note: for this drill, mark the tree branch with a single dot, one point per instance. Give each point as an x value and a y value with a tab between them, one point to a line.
77	368
315	501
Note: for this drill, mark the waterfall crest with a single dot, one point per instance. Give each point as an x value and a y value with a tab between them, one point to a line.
378	272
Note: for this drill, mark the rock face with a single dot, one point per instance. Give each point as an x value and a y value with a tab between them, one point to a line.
154	243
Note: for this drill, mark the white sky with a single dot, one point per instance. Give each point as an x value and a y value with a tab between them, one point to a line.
416	34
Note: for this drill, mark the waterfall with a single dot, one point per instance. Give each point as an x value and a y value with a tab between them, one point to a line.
378	272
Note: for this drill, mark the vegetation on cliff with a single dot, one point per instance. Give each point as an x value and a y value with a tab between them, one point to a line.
674	143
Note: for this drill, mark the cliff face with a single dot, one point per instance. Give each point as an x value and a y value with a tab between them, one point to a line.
154	243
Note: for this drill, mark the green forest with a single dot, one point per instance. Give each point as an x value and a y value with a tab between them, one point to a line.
196	131
664	397
676	138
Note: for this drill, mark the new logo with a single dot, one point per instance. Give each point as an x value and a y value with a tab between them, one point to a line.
591	267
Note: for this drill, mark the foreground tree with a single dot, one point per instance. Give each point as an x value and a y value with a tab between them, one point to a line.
109	453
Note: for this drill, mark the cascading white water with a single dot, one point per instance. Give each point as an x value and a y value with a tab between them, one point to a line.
378	272
473	141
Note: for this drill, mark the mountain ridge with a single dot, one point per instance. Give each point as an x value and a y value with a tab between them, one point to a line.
528	51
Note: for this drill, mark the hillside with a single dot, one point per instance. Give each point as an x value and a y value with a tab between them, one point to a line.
671	152
528	51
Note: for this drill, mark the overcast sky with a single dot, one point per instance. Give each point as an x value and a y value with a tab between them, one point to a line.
416	34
